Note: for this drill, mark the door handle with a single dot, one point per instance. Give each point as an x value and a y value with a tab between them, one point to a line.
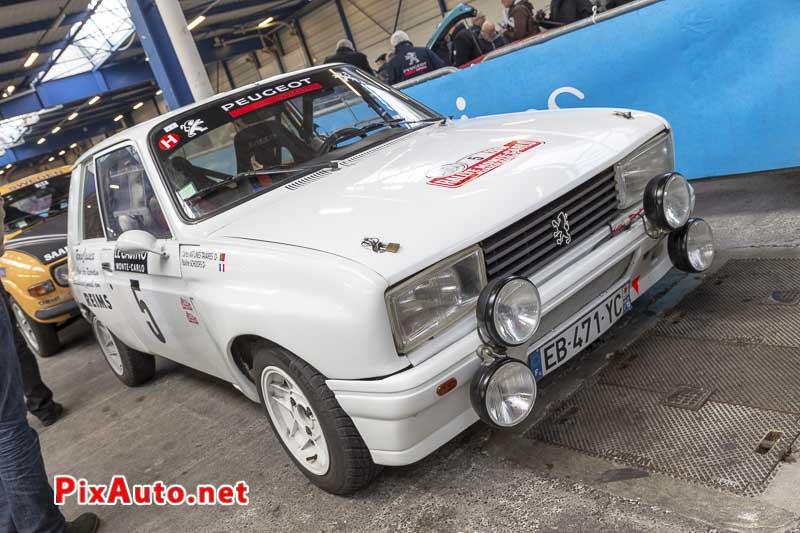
106	266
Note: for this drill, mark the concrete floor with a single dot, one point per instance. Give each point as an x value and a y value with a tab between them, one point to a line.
186	427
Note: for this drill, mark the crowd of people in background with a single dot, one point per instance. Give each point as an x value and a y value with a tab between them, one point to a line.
467	42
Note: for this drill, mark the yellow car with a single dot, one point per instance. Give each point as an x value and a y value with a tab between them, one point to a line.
33	268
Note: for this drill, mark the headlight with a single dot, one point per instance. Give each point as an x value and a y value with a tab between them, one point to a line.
691	248
41	289
509	310
426	304
669	201
657	156
61	275
503	392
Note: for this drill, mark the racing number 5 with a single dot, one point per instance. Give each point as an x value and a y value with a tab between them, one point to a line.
146	310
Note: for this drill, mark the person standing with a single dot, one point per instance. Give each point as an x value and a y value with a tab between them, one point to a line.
410	61
569	11
490	39
520	23
26	499
477	24
380	63
346	53
465	45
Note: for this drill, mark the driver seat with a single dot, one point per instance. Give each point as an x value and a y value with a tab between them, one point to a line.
265	142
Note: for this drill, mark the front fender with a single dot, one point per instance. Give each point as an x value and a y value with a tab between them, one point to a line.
327	310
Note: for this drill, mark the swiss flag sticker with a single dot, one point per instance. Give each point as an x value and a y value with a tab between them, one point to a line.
169	141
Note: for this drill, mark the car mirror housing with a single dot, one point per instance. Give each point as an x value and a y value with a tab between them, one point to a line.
138	241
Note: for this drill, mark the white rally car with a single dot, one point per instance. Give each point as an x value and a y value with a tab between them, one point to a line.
378	276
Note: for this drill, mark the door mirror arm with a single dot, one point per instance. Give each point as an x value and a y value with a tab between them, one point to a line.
138	241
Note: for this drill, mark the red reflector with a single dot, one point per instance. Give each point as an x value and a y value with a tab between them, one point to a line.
446	387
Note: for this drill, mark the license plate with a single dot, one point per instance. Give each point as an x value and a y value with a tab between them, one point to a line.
562	347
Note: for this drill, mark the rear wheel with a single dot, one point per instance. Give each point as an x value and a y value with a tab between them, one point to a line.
313	429
131	367
42	339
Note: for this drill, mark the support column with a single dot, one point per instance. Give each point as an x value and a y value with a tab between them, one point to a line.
442	7
228	74
169	44
303	41
345	22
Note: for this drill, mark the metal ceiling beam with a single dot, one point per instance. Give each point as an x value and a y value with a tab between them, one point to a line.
242	4
87	114
21	54
249	20
52	145
81	87
74	88
41	25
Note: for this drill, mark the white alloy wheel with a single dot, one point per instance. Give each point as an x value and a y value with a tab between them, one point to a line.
108	346
295	420
25	326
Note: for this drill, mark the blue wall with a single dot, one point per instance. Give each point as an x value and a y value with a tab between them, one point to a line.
725	73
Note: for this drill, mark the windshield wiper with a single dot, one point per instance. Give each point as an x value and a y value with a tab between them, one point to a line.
360	131
440	120
202	193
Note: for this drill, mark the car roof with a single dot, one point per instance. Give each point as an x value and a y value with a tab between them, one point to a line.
34	178
142	129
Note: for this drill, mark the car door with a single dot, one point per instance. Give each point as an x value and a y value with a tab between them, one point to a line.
87	247
149	286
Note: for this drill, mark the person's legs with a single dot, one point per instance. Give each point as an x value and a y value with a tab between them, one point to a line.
6	524
38	396
25	486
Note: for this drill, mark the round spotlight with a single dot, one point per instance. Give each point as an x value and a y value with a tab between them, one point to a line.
503	392
691	249
509	311
669	201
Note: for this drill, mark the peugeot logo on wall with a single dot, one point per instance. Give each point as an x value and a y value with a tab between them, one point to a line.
561	226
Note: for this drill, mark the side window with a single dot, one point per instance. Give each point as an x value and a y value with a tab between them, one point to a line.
92	225
127	197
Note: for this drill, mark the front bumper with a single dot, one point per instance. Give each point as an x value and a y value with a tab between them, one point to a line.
66	310
402	419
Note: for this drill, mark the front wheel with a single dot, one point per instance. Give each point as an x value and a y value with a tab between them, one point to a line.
131	367
42	339
313	429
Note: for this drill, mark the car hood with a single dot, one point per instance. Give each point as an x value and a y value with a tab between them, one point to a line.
388	193
46	240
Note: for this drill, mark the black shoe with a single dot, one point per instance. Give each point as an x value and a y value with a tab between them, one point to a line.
85	523
53	416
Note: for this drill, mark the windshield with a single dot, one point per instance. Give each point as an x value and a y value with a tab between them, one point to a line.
24	207
261	138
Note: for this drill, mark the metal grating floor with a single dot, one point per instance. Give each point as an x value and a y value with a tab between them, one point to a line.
710	395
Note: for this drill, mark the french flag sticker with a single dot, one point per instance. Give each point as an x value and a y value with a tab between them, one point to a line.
221	266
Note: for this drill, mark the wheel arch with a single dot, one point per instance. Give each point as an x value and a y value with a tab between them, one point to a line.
242	352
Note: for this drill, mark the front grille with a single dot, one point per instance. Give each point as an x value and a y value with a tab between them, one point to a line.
530	243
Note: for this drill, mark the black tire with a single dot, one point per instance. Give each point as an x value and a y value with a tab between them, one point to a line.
133	368
42	339
351	467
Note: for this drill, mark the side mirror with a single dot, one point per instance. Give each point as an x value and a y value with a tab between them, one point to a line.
138	241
